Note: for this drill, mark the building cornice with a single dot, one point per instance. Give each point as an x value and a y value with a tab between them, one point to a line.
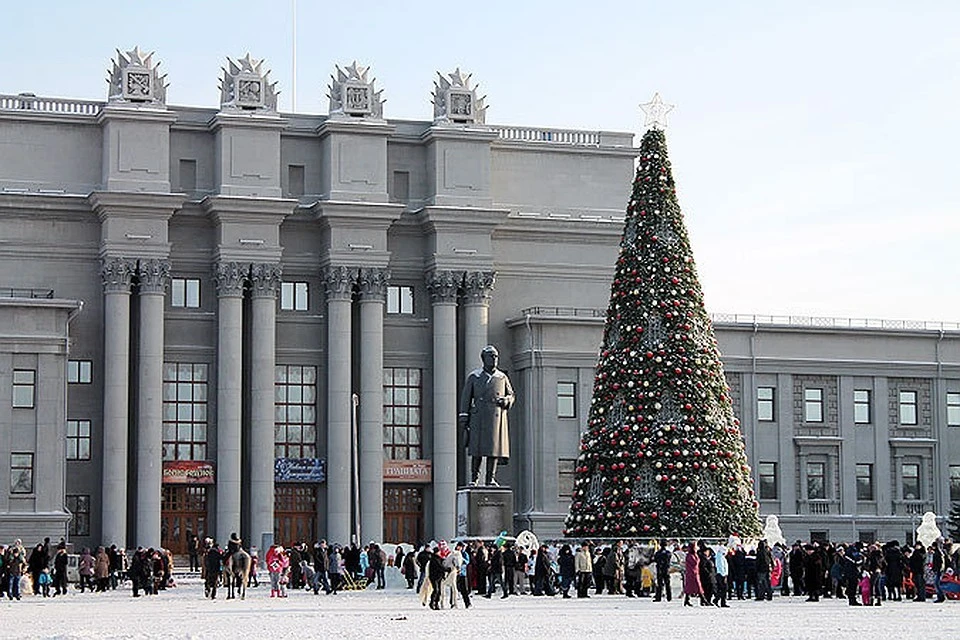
135	204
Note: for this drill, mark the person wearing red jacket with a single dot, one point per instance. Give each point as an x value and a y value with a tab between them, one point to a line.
278	563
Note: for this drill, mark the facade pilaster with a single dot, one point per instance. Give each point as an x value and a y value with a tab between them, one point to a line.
340	282
372	284
230	278
444	286
153	274
477	291
117	275
264	284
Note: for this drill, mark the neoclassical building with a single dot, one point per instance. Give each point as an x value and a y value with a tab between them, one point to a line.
236	319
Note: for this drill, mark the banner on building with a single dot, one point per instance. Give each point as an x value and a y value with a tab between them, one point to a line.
188	472
299	470
412	471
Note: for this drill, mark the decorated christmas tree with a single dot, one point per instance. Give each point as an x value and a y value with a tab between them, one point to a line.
663	454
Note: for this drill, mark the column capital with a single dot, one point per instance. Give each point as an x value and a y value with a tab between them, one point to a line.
265	279
373	283
117	273
229	278
339	282
153	274
478	286
444	285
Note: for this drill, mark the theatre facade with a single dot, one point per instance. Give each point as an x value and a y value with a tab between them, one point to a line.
235	319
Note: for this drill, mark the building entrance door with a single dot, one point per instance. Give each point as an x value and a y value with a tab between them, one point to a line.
295	513
403	513
183	511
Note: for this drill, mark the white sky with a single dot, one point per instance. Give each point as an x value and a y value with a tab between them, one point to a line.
813	143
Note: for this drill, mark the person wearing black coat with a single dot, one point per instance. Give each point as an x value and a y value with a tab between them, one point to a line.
509	560
894	559
213	565
708	574
481	567
543	573
409	569
812	569
60	572
36	563
918	561
764	564
851	564
436	573
662	559
568	569
796	562
423	559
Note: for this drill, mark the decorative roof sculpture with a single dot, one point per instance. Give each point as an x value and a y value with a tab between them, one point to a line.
455	101
134	78
246	87
353	96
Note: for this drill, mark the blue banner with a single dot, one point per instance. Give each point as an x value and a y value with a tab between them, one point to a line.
299	470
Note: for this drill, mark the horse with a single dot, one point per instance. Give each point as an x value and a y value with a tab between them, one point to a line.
237	572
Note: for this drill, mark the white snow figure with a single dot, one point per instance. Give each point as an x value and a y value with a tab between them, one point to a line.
771	531
928	532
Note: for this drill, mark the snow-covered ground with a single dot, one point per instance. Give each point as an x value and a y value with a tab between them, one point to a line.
395	613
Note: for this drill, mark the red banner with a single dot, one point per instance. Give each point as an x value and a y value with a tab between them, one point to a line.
188	472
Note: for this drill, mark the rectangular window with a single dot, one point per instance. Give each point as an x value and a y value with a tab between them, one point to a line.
188	175
24	388
400	300
566	399
293	296
185	292
765	404
910	473
566	472
908	407
816	481
79	371
401	187
21	473
861	406
184	411
953	409
768	480
865	482
295	180
955	483
295	407
79	506
78	439
402	410
813	405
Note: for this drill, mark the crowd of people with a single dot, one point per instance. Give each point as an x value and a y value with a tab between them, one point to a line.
710	574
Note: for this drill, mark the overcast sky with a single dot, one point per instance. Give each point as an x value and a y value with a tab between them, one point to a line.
814	144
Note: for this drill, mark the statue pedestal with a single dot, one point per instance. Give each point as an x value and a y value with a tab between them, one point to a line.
484	512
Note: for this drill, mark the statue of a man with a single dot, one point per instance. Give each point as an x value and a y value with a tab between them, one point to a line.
487	396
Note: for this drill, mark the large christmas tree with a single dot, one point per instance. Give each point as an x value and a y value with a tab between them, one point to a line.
663	454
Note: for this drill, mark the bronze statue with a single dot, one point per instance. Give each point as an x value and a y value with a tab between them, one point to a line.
487	396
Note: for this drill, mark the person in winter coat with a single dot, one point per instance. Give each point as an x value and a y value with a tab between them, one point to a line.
86	570
852	563
599	562
893	557
36	563
764	566
60	572
462	586
409	569
101	570
436	572
336	571
543	573
723	569
15	565
613	568
212	568
691	575
795	563
708	574
277	565
509	559
568	569
662	560
423	558
583	563
812	569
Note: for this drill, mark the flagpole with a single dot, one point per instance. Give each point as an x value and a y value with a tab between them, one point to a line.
293	84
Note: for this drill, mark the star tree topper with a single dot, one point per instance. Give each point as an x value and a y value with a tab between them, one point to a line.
656	112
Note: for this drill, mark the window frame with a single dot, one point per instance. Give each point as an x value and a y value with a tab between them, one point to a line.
295	295
954	481
293	385
398	303
75	440
185	293
563	397
770	402
182	393
909	406
859	469
953	409
394	405
813	402
904	477
15	465
80	522
861	404
24	387
823	479
767	479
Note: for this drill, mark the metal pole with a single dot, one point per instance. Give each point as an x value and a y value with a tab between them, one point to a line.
355	445
293	83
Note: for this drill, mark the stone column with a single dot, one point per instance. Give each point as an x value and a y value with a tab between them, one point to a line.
154	274
265	282
443	286
477	288
116	274
373	291
229	277
339	284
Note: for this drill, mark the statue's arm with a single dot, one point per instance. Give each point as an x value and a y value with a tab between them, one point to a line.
509	397
466	399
